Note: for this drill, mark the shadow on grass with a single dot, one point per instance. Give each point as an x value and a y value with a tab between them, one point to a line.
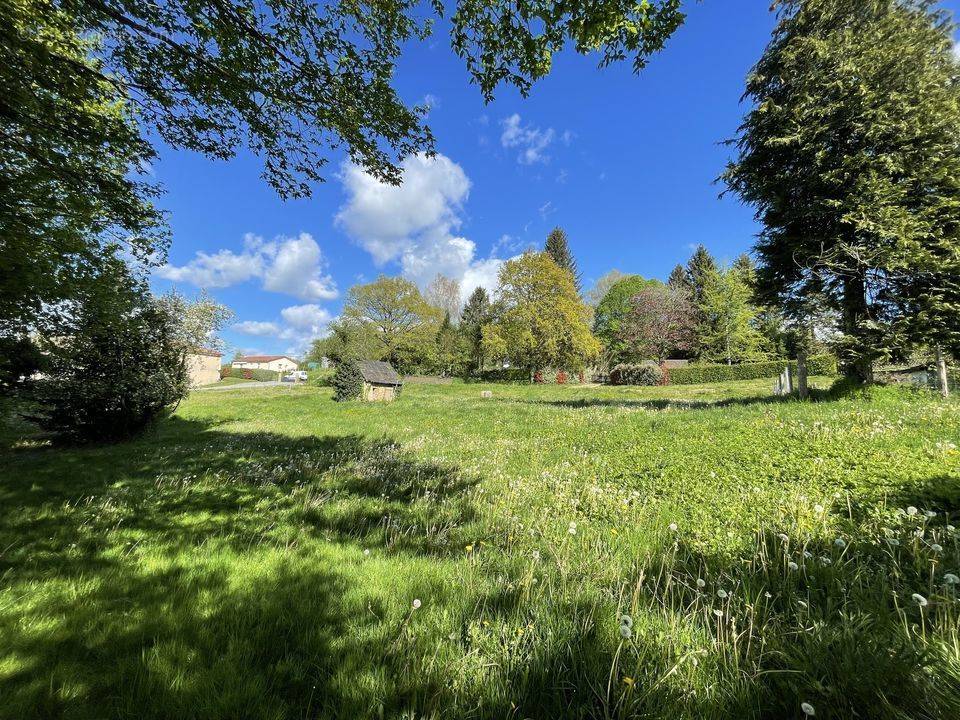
664	404
163	578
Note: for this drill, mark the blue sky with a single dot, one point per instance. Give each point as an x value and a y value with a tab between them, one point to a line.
624	163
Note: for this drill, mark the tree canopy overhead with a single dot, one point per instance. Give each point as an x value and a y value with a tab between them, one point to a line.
850	157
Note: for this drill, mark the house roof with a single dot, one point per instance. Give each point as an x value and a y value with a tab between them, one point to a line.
376	371
263	358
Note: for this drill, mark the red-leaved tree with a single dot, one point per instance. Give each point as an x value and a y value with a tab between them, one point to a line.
659	322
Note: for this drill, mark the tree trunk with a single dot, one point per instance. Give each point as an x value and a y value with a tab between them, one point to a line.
944	381
859	364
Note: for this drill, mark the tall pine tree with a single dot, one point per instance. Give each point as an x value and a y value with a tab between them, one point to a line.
558	248
850	158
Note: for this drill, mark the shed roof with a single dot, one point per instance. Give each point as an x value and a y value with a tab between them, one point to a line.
377	371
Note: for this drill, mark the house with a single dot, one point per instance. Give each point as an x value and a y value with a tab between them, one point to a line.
203	366
380	381
276	363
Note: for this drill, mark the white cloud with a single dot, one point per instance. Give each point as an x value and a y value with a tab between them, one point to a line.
415	224
222	269
257	328
291	265
531	141
546	210
300	324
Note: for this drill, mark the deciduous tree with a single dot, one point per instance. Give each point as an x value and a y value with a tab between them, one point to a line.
541	320
611	313
660	321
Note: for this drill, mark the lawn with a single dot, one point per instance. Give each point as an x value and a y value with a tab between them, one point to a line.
552	552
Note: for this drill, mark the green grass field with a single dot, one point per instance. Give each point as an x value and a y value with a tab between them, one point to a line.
271	554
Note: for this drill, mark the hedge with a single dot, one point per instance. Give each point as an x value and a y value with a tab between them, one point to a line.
698	374
248	373
501	375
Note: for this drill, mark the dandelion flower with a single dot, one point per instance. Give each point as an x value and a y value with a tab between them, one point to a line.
625	620
625	632
416	603
701	583
911	510
840	543
951	579
722	594
468	548
628	681
808	709
792	565
919	599
936	547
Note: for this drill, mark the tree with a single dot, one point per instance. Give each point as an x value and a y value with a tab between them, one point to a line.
727	332
678	278
444	293
476	315
346	341
72	164
602	287
403	323
660	321
452	349
540	319
558	248
849	156
198	320
119	367
611	312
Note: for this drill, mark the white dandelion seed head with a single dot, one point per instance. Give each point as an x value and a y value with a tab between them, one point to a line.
826	561
536	554
625	620
673	527
792	565
718	613
893	542
808	709
919	599
722	594
818	508
911	510
807	554
626	632
783	537
366	552
840	543
417	603
951	579
701	583
929	513
950	528
937	548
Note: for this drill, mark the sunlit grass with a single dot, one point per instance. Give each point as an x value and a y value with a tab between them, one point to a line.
260	554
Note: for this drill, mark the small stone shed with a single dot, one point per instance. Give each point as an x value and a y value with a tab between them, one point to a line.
380	381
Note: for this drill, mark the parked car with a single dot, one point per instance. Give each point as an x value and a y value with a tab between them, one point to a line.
296	376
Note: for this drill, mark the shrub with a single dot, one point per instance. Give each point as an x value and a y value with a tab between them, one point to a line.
347	381
561	377
538	377
636	374
249	373
117	371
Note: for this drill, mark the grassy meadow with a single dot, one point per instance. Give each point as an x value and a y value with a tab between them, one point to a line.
552	552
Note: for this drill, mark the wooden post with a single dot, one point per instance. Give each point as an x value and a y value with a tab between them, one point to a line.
944	381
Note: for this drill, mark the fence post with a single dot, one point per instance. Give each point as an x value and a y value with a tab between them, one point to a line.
944	381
